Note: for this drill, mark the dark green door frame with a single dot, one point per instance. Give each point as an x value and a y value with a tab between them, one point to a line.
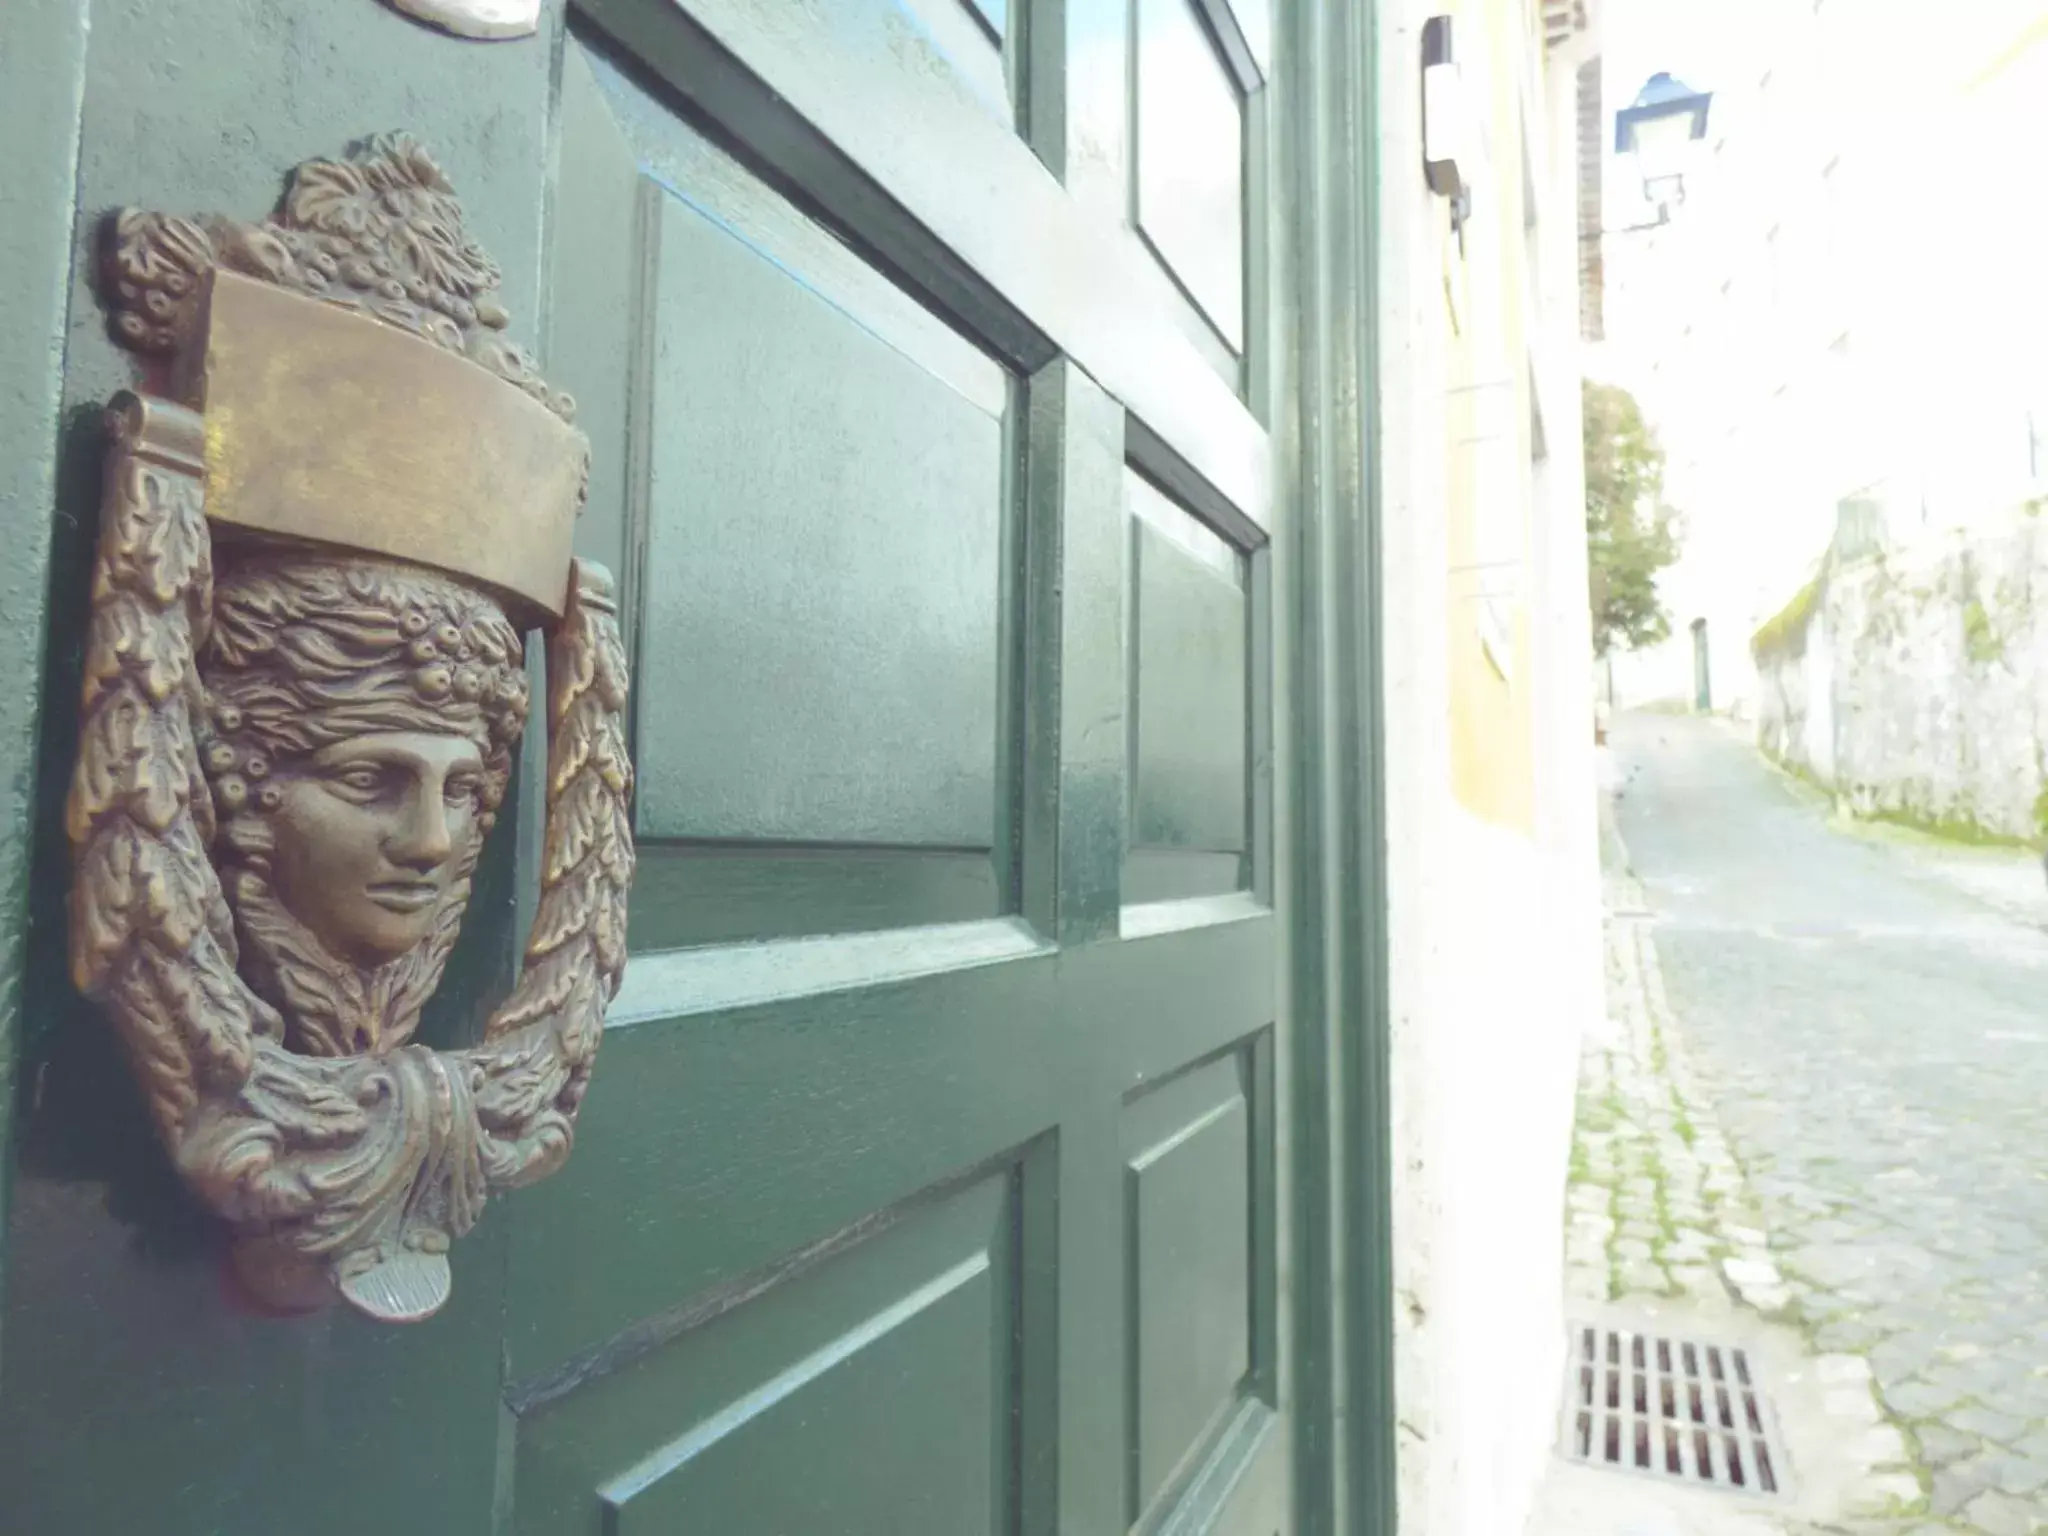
42	83
1343	1209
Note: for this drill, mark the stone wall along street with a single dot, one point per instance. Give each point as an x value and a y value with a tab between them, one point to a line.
1912	682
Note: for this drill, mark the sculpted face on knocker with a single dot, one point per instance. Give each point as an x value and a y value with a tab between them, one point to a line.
367	835
360	721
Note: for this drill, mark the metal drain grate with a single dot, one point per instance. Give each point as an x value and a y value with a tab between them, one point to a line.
1671	1408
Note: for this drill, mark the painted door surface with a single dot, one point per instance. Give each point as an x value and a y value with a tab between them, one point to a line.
928	1179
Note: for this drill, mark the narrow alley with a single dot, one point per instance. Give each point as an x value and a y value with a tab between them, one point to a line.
1873	1038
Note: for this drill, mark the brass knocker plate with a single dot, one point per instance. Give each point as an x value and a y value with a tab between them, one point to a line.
327	518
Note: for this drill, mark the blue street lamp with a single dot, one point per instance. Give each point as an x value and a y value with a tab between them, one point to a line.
1665	117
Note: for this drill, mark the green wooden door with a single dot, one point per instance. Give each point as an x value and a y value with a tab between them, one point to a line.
929	1181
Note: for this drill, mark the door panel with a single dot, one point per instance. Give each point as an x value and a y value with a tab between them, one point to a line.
740	1137
928	1181
1187	1191
818	625
814	533
799	1407
1189	601
1190	161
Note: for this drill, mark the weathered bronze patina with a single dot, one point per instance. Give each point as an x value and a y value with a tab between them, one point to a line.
437	462
304	681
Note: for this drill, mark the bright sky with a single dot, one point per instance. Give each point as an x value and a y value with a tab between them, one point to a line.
1896	42
1945	125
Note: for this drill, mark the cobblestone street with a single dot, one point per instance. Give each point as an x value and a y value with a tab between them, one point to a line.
1853	1097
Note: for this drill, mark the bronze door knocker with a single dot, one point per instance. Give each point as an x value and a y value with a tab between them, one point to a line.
338	500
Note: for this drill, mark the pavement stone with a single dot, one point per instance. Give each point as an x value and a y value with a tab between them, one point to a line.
1883	1445
1941	1444
1847	1333
1956	1486
1921	1400
1697	1279
2019	1477
1641	1277
1998	1514
1887	1494
1988	1422
1857	1045
1751	1270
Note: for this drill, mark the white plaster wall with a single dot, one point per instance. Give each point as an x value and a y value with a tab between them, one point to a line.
1919	689
1416	684
1494	939
1499	1053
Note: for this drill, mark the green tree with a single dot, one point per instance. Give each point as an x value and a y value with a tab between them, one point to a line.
1630	534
